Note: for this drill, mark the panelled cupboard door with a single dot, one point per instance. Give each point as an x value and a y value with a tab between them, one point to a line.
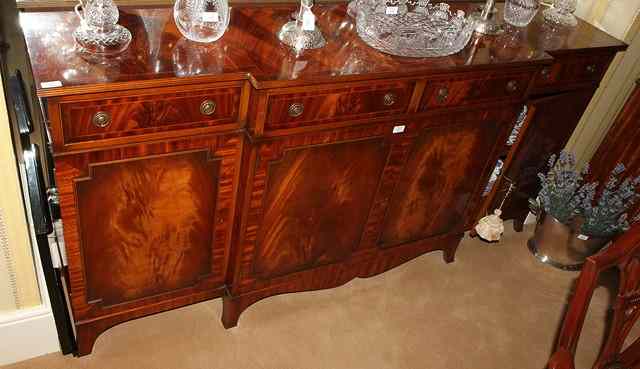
554	120
440	186
148	224
316	199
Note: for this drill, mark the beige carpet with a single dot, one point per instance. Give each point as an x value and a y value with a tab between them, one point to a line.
496	307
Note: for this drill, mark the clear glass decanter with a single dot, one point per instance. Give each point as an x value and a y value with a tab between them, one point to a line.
201	20
562	13
99	31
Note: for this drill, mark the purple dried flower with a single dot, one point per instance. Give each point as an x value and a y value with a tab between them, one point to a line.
609	216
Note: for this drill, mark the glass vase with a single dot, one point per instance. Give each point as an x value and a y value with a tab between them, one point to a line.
519	13
201	20
562	13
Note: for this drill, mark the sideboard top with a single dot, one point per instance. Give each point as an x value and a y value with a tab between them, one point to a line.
159	55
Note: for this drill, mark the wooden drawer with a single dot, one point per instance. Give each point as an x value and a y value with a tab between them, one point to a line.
478	88
574	69
140	112
291	108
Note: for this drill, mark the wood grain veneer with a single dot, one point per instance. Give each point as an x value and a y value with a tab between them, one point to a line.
384	159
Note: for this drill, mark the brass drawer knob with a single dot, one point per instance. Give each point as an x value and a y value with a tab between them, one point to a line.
512	86
389	99
101	119
443	95
208	107
296	110
591	68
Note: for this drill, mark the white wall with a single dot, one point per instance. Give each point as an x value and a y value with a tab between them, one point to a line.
27	327
614	16
621	19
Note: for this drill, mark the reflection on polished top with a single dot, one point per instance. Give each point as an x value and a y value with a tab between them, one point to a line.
250	50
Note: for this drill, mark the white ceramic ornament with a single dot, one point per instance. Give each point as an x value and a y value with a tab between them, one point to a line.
491	227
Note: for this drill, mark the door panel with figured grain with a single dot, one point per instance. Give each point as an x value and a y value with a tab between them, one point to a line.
439	180
317	205
147	225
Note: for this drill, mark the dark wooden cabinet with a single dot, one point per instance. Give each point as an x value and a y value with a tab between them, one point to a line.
244	170
354	195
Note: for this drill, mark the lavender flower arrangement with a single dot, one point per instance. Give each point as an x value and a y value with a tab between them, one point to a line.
564	196
559	187
608	216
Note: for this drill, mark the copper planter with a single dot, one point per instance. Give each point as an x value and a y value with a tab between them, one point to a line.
560	245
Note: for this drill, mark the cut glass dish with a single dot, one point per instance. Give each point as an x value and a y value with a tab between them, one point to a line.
413	28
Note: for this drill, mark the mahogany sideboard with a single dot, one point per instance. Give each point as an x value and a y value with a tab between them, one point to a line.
241	170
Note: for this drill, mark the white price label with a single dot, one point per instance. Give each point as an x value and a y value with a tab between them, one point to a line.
391	10
308	21
51	84
398	129
583	237
210	17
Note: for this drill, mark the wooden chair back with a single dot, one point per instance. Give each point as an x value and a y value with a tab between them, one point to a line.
624	255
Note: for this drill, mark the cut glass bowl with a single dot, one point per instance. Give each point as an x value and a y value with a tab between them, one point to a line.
415	30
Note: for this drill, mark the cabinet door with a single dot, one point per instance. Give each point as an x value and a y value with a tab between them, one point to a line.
555	118
315	199
441	183
148	225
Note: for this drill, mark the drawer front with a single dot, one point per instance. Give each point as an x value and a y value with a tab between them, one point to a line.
465	90
574	70
319	105
149	112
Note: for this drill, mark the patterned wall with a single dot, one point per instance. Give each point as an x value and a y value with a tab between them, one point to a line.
9	296
18	282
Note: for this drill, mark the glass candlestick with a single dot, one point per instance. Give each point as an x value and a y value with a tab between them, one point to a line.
562	13
302	33
486	22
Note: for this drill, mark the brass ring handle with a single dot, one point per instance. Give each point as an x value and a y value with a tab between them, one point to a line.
512	86
295	110
591	68
443	95
389	99
208	107
101	119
